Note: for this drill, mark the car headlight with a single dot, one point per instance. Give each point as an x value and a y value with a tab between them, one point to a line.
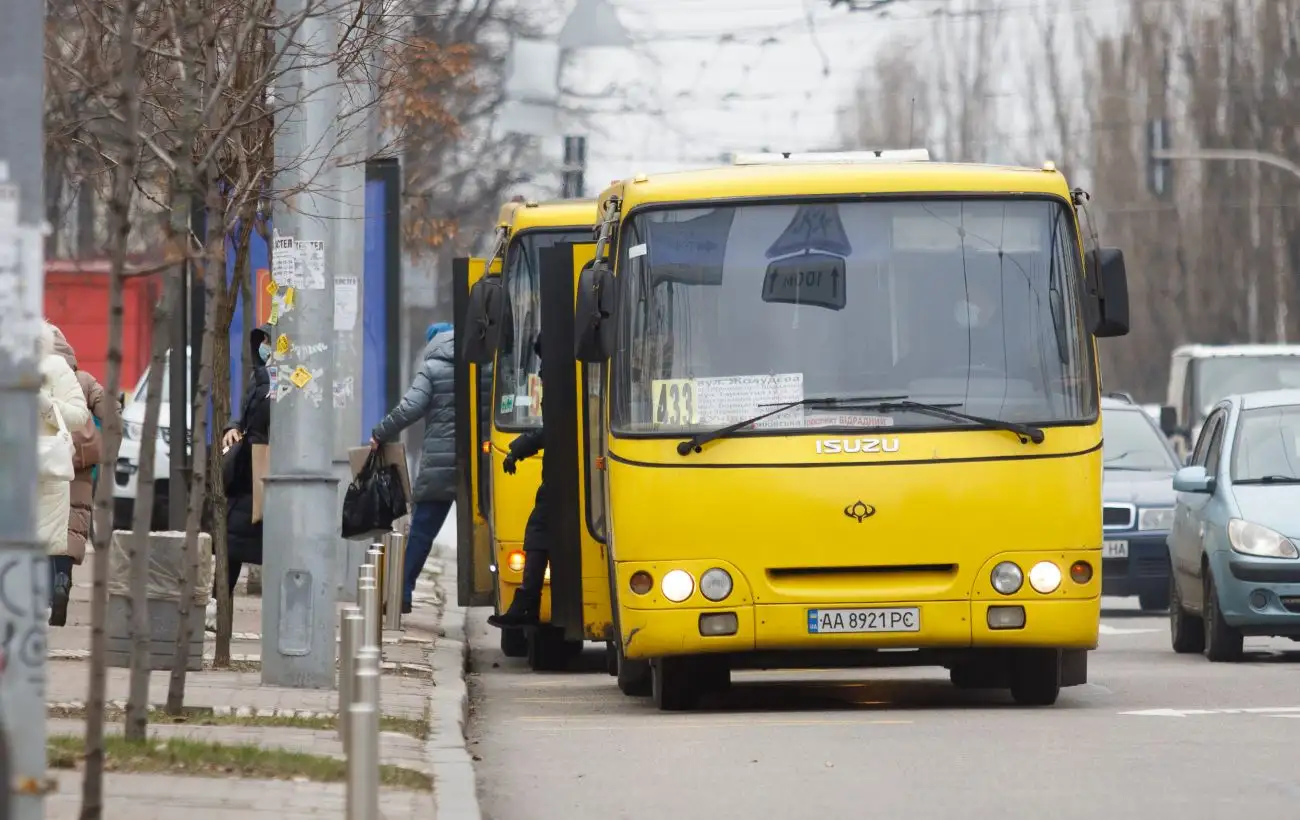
132	430
1253	539
715	584
1007	578
1156	518
1045	577
677	585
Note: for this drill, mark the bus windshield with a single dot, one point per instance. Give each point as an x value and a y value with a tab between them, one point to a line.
518	385
974	303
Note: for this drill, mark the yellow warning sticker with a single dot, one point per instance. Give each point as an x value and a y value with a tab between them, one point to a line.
275	315
300	377
288	297
282	345
271	288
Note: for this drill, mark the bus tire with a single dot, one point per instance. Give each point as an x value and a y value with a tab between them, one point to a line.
611	659
547	650
514	643
675	685
633	676
1036	676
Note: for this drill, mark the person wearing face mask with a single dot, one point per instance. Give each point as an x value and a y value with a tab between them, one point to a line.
253	426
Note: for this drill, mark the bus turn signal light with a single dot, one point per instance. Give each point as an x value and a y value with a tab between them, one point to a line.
1081	572
641	582
515	560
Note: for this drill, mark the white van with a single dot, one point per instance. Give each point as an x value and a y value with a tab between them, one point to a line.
1201	375
126	475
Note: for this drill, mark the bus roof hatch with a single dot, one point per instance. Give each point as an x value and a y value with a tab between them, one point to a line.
835	157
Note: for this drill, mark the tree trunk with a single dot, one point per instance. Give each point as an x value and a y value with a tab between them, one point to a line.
92	786
137	545
214	269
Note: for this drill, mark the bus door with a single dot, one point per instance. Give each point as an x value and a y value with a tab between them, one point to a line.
562	470
477	302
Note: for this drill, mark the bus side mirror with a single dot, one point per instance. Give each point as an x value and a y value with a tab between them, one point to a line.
483	320
1107	275
1168	421
594	315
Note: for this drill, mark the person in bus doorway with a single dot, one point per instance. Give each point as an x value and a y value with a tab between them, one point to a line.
431	397
525	608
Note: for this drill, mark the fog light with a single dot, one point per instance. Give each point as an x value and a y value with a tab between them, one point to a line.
1006	617
715	584
641	582
515	560
1258	599
719	623
677	585
1081	572
1045	577
1007	578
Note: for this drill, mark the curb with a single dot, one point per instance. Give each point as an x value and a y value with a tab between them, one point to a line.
455	789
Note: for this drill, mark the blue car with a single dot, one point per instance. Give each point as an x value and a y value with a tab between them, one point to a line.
1236	567
1138	466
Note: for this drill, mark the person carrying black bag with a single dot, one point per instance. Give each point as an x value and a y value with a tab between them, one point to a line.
525	607
243	536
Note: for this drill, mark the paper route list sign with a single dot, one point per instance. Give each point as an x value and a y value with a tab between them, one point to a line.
723	400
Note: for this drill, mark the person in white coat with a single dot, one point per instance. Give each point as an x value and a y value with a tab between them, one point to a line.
60	391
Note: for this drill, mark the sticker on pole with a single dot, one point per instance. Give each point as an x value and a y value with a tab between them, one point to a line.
282	346
284	261
311	274
300	377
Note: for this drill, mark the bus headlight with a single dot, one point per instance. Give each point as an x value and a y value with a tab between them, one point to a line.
715	584
515	560
1007	578
677	585
1045	577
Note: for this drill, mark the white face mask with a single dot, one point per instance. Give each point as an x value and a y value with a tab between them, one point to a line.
966	314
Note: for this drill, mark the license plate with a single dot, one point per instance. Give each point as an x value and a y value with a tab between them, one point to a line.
906	619
1114	549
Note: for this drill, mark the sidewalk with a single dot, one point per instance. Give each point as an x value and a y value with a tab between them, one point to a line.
241	709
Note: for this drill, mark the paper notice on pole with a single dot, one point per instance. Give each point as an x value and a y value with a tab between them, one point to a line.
730	399
345	303
311	271
284	261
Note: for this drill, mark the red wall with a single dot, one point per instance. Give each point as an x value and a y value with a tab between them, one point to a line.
76	300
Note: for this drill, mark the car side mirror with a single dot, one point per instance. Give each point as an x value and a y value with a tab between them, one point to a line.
483	320
1168	421
594	315
1108	286
1194	479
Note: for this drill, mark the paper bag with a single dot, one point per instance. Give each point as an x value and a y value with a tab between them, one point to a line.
261	461
394	453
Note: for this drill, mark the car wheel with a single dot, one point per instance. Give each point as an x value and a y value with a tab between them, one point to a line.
1186	631
1222	642
1036	677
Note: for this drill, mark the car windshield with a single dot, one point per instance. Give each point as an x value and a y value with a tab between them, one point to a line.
970	303
1220	376
1267	444
518	385
1132	442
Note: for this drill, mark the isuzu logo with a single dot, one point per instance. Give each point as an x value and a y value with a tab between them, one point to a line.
857	445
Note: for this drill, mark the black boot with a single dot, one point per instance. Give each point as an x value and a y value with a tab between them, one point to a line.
520	613
62	593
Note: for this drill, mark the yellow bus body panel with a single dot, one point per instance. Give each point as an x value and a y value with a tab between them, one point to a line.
481	541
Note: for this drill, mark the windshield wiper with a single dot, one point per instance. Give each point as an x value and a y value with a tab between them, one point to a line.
1270	479
1026	432
696	442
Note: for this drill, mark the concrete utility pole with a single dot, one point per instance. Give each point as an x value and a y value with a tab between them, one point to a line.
301	529
24	569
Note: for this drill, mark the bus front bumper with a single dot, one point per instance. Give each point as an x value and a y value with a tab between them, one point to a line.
941	625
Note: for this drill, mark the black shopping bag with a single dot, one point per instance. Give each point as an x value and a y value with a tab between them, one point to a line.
375	499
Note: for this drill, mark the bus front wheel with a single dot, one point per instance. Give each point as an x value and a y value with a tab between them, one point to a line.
514	643
1036	676
675	684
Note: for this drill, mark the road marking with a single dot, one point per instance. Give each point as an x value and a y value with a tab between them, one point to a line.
1106	629
1269	711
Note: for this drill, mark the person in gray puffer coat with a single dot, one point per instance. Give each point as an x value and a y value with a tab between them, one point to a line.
432	397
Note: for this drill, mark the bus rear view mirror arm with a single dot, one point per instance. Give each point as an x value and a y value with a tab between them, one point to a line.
594	315
1108	281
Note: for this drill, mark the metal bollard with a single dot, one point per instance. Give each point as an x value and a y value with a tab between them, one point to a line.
351	625
363	732
368	598
375	556
394	582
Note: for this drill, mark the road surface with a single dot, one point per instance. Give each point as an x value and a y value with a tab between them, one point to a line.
1153	735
